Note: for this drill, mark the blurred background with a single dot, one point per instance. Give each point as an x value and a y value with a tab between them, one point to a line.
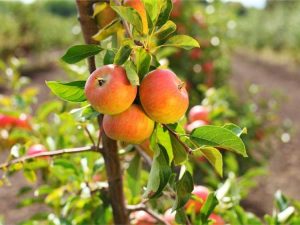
246	72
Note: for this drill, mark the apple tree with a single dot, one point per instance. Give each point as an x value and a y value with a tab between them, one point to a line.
137	105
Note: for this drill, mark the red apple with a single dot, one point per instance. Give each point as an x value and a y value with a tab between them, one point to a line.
176	11
6	121
36	149
198	112
195	53
143	218
163	96
109	91
217	219
201	194
23	122
195	124
208	67
132	125
140	8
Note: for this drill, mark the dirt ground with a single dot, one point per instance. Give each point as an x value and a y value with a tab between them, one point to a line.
284	164
285	161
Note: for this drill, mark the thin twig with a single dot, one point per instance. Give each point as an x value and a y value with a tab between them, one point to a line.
175	135
50	153
142	207
90	136
144	155
125	24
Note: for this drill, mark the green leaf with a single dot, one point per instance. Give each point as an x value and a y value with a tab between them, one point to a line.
99	7
84	113
152	8
130	15
165	10
72	91
168	28
160	173
184	187
131	73
133	178
213	156
163	138
181	41
66	164
180	155
122	54
143	61
218	137
180	217
235	129
109	57
79	52
108	30
30	175
281	201
208	207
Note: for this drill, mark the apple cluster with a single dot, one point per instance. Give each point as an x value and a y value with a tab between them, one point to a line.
130	111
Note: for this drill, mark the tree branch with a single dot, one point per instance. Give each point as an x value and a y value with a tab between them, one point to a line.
186	148
142	207
51	154
90	136
125	24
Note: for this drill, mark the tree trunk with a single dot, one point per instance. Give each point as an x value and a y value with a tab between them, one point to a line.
110	150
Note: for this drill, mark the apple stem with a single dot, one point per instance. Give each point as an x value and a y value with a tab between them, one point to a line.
181	85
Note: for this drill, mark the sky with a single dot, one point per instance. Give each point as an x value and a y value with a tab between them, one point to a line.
250	3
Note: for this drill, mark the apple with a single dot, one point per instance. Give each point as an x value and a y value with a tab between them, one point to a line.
195	53
23	122
217	220
108	90
169	217
163	96
132	126
195	124
143	218
145	145
201	194
208	67
36	149
198	112
176	11
140	8
6	121
106	16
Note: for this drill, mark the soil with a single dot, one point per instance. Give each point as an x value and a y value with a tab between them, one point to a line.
284	163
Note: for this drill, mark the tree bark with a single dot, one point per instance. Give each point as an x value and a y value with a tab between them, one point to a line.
110	150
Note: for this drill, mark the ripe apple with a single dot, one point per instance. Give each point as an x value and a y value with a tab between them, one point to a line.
195	53
198	112
140	8
145	145
208	67
6	121
201	194
109	91
163	96
217	219
36	149
195	124
132	126
23	122
143	218
176	11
